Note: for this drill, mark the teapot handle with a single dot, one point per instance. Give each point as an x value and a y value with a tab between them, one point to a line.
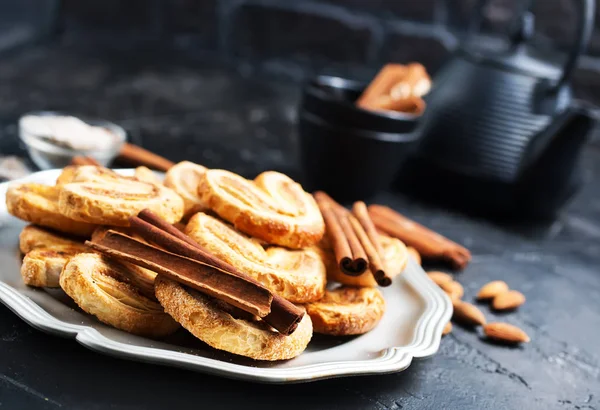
585	25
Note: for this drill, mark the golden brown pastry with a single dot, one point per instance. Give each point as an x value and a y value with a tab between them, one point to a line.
38	204
296	275
184	179
202	317
98	195
41	267
34	237
96	284
145	174
347	311
86	173
395	257
273	207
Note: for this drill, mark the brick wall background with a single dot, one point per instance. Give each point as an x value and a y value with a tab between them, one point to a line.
293	38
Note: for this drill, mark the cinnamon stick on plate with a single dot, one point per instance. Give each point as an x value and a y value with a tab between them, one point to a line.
284	315
428	243
348	250
208	279
365	229
137	155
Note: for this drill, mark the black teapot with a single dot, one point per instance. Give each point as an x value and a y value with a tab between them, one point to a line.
502	133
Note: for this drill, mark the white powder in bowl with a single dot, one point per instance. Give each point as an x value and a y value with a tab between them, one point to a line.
69	132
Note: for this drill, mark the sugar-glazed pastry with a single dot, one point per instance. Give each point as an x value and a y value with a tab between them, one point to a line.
296	275
273	207
100	287
97	195
184	179
203	317
347	311
38	204
34	237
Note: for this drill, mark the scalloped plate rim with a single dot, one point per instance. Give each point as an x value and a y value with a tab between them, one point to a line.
425	343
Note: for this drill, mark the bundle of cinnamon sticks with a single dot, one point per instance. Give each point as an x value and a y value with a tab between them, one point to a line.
181	259
397	87
354	238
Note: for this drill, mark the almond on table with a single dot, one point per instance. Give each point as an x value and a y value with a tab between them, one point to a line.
504	332
492	289
508	300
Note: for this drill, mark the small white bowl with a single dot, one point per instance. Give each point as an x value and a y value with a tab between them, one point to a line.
47	155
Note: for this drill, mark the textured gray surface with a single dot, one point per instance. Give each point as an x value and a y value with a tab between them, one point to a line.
186	109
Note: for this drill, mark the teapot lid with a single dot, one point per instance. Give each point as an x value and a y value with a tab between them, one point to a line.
524	60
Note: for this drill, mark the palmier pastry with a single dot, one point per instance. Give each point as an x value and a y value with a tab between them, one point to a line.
395	257
347	311
99	286
87	173
184	179
41	267
273	207
34	237
202	317
38	204
145	174
296	275
98	195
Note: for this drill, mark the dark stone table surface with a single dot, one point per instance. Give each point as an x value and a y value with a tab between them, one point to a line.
187	109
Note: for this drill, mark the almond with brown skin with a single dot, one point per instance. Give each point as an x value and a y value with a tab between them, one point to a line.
492	289
447	329
468	314
453	289
503	332
508	300
439	277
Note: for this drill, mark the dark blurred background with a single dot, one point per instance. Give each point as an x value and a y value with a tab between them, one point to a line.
142	62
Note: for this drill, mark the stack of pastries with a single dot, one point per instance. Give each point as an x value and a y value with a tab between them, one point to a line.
269	228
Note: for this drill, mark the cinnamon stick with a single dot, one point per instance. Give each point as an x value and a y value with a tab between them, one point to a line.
428	243
349	254
208	279
82	160
284	315
365	229
375	263
137	155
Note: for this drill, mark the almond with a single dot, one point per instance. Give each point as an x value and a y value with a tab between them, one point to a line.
414	253
468	314
508	300
447	329
439	277
491	289
453	289
504	332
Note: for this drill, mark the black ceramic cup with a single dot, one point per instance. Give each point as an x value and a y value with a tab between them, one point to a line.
350	163
333	98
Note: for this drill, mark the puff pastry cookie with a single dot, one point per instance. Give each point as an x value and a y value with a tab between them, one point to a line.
184	179
98	195
347	311
42	267
273	207
34	237
38	204
202	317
97	286
296	275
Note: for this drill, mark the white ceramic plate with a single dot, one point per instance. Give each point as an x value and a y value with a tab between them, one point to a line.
416	313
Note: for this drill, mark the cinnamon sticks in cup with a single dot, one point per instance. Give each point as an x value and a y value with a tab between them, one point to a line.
354	239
